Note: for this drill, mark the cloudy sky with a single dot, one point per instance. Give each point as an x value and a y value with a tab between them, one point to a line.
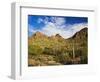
52	25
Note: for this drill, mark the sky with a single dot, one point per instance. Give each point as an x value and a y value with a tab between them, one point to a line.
66	26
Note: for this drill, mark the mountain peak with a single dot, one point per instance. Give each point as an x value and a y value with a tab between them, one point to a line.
82	34
58	35
38	33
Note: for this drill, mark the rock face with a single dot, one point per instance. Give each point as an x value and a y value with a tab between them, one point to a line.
58	36
82	34
55	50
39	35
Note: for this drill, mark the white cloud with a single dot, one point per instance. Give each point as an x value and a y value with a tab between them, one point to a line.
57	26
46	20
58	21
30	29
51	29
39	20
77	27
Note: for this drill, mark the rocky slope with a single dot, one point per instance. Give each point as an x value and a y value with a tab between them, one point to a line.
56	49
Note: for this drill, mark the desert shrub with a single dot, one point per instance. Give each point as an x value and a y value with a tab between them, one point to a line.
51	51
35	50
48	51
84	60
30	49
83	44
70	53
63	58
78	53
84	56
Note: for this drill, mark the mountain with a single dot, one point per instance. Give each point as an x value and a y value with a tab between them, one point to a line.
39	35
58	36
79	36
82	34
55	50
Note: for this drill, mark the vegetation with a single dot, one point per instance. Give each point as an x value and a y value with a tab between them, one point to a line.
35	50
43	50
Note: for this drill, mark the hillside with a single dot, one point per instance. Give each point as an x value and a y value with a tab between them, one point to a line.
55	50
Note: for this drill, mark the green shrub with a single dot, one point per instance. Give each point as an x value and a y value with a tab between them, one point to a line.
51	51
78	53
35	50
63	58
84	60
84	56
48	51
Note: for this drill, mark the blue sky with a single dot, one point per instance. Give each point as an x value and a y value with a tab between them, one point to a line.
51	25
